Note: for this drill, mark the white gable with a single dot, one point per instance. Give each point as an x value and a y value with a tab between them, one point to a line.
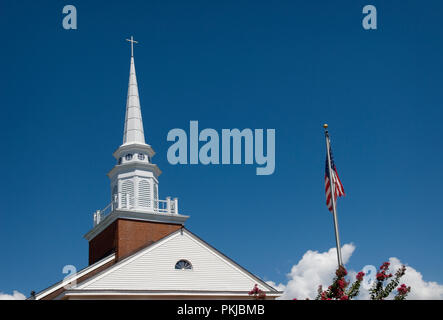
153	268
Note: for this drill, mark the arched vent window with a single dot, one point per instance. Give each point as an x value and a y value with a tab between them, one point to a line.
183	265
127	194
144	194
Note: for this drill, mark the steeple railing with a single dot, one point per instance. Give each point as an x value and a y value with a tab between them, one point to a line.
125	202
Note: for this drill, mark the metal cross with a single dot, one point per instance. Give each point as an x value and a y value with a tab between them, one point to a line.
132	41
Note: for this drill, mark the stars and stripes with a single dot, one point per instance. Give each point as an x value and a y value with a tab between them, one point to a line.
339	191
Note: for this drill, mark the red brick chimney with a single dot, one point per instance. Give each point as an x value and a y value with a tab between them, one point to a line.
125	236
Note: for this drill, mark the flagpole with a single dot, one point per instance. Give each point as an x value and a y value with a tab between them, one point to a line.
334	209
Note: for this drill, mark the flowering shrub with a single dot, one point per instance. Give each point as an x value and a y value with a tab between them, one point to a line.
379	291
402	291
360	276
257	293
339	289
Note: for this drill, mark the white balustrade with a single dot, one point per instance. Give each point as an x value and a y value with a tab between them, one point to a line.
168	206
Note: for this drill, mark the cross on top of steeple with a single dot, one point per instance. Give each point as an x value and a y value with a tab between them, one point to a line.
132	41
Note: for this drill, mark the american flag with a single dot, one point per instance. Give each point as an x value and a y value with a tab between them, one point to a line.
339	191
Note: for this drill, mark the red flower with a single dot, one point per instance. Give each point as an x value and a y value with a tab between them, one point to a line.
380	276
360	276
403	290
255	291
385	266
341	272
345	297
341	283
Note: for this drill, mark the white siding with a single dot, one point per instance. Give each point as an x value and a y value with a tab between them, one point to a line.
153	269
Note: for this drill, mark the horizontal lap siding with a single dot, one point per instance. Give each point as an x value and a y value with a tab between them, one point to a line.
154	270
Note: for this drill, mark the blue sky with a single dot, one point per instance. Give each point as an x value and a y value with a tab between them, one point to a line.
287	65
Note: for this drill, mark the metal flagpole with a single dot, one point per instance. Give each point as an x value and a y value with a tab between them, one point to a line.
334	209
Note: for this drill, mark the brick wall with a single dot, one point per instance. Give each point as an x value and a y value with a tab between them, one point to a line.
103	244
125	237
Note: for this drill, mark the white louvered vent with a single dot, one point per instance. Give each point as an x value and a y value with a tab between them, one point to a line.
114	196
155	196
127	194
144	194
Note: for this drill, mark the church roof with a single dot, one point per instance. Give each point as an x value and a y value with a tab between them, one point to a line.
151	272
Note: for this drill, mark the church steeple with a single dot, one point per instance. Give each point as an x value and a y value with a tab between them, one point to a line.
133	132
136	216
134	180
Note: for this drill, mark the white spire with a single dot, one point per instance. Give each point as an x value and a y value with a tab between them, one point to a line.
133	132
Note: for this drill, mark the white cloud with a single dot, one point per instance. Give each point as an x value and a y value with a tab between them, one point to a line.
14	296
279	287
420	289
314	269
317	268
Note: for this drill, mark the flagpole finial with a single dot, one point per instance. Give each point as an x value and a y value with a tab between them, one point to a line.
325	126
